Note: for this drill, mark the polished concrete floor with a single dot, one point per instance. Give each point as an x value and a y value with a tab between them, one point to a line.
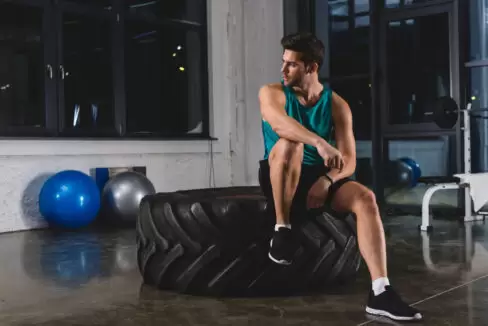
92	279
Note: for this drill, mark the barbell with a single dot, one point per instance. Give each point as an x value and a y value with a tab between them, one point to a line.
445	113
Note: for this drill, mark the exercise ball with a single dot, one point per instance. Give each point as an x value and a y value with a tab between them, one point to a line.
400	174
415	168
69	199
122	195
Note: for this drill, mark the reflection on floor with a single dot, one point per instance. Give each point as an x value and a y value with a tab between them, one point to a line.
92	279
413	196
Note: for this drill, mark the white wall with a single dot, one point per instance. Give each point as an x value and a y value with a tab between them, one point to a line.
244	53
255	30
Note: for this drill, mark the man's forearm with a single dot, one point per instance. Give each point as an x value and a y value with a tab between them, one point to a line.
291	129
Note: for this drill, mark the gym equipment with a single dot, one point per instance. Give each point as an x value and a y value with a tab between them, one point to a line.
473	184
216	241
446	112
69	199
399	174
122	195
415	167
403	173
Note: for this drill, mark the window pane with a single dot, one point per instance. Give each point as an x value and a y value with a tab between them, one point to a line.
163	79
402	3
191	10
88	86
478	96
479	89
349	38
21	66
106	4
418	66
357	93
339	15
478	29
361	6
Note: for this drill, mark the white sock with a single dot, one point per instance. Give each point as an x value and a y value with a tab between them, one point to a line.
379	285
277	226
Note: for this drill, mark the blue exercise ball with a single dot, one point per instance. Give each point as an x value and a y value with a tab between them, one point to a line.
417	173
69	199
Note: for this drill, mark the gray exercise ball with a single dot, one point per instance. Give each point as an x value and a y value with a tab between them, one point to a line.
122	195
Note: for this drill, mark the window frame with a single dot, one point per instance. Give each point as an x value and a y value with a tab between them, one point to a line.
421	128
325	73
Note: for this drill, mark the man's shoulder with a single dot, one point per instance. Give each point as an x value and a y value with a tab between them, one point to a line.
272	91
272	88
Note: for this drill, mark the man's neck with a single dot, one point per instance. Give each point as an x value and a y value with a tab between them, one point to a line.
311	88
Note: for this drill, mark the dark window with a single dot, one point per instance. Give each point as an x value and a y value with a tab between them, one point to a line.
418	66
348	59
96	68
357	93
105	4
478	40
403	3
87	72
187	10
22	82
349	37
163	72
477	88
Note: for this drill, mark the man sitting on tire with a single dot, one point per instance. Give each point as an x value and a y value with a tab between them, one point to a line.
301	169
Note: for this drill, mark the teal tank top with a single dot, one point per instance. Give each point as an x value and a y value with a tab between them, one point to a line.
317	119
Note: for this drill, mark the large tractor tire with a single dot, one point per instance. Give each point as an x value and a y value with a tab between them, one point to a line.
216	241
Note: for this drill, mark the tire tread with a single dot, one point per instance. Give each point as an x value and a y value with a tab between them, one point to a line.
216	241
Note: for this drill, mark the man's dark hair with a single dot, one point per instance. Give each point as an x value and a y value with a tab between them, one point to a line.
311	48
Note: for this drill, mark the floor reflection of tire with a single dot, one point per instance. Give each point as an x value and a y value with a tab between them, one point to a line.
125	255
186	309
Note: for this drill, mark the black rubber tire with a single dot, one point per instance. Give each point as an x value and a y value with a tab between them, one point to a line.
216	241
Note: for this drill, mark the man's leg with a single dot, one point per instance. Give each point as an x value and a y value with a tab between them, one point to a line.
285	162
354	197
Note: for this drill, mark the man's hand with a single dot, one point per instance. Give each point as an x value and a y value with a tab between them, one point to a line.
318	193
332	157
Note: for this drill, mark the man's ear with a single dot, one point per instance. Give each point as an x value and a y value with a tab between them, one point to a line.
312	67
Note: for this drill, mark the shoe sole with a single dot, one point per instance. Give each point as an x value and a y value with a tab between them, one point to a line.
281	262
278	261
383	313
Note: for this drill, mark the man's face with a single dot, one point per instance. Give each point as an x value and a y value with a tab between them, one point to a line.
293	69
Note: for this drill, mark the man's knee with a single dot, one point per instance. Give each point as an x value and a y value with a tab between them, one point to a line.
285	151
366	200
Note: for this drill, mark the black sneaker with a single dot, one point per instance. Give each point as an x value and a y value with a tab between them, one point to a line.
281	247
389	304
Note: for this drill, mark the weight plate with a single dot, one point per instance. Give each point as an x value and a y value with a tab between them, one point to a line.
446	112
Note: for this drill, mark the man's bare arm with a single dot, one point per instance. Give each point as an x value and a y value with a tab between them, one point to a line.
344	135
272	102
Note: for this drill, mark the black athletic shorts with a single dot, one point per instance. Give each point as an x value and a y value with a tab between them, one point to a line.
308	176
